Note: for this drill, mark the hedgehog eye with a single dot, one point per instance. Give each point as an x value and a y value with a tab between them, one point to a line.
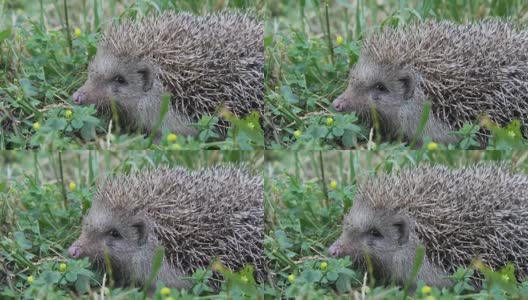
380	87
114	233
119	79
375	233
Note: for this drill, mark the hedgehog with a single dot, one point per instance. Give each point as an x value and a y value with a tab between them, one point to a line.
468	73
207	64
198	217
457	215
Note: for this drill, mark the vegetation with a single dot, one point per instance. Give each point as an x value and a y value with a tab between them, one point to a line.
307	194
310	48
45	47
43	196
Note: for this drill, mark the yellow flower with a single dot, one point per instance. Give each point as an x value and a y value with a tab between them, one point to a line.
77	32
217	266
297	133
486	122
426	290
324	265
62	267
165	291
511	133
291	278
68	114
430	298
172	137
339	40
333	184
329	121
30	279
432	146
72	186
244	279
505	277
36	125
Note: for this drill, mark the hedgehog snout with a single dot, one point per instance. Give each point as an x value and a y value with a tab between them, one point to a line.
335	249
339	104
74	251
79	97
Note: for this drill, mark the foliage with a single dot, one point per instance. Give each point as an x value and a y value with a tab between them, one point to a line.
43	196
310	48
44	52
307	194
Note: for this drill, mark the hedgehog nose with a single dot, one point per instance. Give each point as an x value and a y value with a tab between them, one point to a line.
338	104
78	97
74	251
333	250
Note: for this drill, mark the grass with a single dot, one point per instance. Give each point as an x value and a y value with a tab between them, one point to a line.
43	195
310	48
42	198
307	194
45	47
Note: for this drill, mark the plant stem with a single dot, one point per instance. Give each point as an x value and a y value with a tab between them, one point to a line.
64	198
68	31
325	191
330	47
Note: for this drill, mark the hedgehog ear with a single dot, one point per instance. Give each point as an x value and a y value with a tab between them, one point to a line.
142	232
146	72
407	80
401	223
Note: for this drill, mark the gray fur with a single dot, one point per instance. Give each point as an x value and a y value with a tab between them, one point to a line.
465	71
204	62
196	216
457	215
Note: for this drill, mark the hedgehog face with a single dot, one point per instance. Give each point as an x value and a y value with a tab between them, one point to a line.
125	80
107	232
384	87
376	233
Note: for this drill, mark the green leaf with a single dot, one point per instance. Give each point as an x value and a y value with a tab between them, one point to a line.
50	277
332	276
282	239
71	276
343	283
289	95
27	87
21	240
311	275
